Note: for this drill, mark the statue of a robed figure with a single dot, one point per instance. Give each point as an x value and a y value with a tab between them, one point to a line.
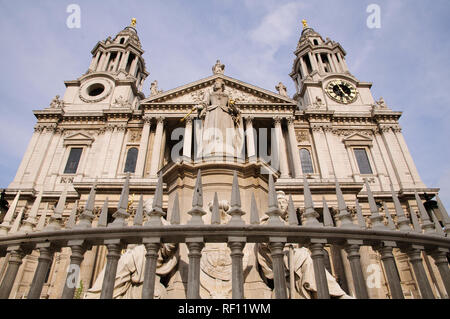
221	132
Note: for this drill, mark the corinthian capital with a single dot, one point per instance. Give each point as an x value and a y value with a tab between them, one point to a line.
277	120
147	119
160	120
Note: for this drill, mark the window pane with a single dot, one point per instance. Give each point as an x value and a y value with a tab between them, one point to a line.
130	164
305	158
363	161
73	161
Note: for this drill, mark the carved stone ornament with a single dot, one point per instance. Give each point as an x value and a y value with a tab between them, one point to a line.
56	103
121	102
102	85
134	136
303	136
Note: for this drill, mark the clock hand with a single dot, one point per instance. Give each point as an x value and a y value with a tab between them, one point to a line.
345	94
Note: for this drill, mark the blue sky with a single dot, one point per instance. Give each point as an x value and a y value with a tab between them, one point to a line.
407	59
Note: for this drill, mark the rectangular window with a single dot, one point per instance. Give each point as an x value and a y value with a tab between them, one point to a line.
363	161
73	161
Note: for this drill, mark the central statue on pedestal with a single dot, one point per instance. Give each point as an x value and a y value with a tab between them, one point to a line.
222	126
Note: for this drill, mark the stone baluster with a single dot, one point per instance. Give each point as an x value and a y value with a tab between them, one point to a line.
151	257
14	262
237	245
46	253
276	246
440	259
195	244
115	247
414	255
316	248
78	248
387	256
354	257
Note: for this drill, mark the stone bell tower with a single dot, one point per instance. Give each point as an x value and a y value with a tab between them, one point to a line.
322	77
115	76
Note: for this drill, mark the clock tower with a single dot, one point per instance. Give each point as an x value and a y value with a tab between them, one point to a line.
322	78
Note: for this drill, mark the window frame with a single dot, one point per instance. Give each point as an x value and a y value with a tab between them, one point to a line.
311	157
369	160
69	151
128	149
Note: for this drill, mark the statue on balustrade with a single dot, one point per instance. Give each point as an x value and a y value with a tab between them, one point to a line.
130	271
222	129
305	283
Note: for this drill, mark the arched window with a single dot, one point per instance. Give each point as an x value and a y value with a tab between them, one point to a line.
305	158
130	164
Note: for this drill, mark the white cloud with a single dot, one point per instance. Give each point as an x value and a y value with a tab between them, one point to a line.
277	27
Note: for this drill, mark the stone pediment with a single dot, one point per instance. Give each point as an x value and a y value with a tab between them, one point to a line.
196	92
357	139
78	139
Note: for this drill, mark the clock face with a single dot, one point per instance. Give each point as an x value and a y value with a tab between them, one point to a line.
342	91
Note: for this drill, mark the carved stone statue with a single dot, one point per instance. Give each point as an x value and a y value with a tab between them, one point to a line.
154	89
130	271
218	68
56	103
305	283
318	102
281	88
381	103
222	124
121	102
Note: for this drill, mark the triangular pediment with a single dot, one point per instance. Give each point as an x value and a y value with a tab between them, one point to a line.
78	139
239	91
357	137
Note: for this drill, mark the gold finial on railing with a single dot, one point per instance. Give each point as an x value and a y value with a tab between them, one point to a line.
133	22
305	24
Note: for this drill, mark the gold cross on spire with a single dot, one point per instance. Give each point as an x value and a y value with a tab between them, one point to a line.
133	22
305	24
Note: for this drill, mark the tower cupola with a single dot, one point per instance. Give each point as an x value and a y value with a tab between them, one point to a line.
316	57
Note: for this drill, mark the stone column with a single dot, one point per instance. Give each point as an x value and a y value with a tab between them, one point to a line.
105	61
156	152
316	249
45	260
336	63
392	275
313	61
134	66
151	257
114	250
106	141
14	262
332	65
187	141
354	257
321	66
94	62
276	246
251	149
284	168
117	149
195	246
343	63
237	273
303	67
294	148
325	166
414	254
37	161
143	146
78	248
124	61
440	259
